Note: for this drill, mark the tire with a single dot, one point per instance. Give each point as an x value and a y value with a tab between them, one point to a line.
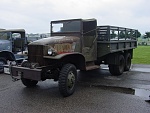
27	82
111	69
117	70
67	80
127	62
2	63
25	64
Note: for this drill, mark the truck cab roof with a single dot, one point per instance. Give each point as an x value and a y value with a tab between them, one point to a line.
12	30
92	19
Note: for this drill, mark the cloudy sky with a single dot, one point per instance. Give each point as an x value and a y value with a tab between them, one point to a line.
35	15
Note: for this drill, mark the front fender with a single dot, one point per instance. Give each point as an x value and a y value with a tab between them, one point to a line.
7	55
75	58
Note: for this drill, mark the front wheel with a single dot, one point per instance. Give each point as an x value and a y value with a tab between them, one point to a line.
67	80
28	82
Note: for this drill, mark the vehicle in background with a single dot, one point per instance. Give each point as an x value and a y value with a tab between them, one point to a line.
76	44
12	42
33	37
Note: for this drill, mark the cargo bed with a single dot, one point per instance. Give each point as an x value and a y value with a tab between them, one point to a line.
113	39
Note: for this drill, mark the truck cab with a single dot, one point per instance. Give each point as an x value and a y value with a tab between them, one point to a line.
85	30
12	41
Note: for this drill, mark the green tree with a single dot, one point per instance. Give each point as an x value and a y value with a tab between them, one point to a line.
133	34
147	35
113	35
138	34
122	34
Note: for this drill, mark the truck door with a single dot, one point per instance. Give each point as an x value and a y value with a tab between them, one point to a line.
89	39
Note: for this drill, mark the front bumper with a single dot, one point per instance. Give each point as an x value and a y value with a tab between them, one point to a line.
24	72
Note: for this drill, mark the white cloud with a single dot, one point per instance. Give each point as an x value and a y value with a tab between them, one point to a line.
35	15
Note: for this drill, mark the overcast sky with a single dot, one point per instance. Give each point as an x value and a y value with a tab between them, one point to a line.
35	15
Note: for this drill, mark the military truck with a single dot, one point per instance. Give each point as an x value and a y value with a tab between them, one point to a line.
76	44
12	41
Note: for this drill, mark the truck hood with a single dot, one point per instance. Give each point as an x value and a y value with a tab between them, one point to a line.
4	41
55	40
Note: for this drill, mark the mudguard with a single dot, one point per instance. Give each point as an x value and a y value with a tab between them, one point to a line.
7	55
75	58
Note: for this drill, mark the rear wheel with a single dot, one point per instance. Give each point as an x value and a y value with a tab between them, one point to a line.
117	69
67	80
127	62
28	82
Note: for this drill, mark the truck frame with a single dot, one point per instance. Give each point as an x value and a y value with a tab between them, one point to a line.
76	44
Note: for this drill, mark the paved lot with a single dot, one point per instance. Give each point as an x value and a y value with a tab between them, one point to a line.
97	92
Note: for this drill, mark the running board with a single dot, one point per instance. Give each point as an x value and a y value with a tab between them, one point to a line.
91	66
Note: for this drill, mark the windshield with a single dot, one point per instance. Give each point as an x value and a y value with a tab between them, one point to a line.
4	36
9	35
69	26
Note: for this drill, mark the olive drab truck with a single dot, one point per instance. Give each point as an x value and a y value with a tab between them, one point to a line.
12	41
76	44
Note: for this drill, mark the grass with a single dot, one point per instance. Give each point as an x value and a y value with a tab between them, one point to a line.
141	55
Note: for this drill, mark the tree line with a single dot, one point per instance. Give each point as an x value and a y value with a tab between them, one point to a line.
123	34
146	35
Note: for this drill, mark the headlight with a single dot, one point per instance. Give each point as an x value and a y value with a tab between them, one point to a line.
50	52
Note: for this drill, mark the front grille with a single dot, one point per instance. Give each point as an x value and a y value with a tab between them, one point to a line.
35	54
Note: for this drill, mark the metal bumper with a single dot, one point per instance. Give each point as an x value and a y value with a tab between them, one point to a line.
33	74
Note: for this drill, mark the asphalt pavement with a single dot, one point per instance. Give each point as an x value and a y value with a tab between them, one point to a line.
97	92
